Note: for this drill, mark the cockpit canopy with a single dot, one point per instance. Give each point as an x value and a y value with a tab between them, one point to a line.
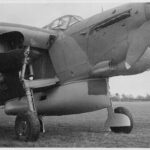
63	22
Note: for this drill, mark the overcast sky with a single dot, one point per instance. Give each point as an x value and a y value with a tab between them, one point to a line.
40	14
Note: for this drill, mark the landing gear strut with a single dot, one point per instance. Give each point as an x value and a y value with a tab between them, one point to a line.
28	124
119	120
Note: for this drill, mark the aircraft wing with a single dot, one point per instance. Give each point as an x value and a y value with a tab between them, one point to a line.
35	37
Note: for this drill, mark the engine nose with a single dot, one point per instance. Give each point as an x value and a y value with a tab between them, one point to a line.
147	11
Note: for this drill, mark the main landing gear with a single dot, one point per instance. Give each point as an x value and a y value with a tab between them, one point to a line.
28	124
119	121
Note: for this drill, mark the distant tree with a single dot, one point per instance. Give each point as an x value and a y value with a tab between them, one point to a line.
129	97
116	97
139	97
123	97
147	97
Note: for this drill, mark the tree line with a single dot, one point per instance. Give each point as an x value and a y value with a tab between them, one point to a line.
130	97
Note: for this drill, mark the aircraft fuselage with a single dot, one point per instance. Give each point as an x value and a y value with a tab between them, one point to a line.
119	36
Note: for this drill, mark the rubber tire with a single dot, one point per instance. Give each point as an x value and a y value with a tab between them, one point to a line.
32	126
125	129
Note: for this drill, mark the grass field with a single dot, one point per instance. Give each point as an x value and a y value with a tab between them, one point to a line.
84	130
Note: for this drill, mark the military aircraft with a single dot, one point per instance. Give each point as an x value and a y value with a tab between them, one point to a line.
64	67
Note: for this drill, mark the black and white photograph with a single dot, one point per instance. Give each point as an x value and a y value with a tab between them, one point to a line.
74	74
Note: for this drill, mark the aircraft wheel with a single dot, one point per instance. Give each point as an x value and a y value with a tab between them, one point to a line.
27	126
125	129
